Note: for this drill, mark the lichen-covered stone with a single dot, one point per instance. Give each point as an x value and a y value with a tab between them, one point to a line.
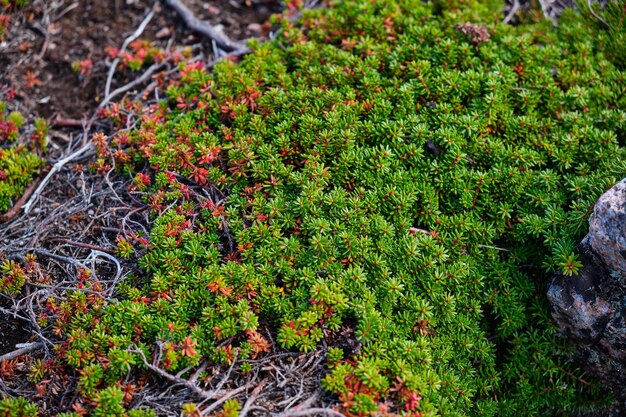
590	307
607	229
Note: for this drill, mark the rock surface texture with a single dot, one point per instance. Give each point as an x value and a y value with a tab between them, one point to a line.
590	307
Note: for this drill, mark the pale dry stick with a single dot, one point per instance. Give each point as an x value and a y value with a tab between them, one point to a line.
514	8
184	371
81	245
230	394
128	41
314	359
197	372
546	5
13	314
36	328
230	369
46	24
66	10
312	412
206	395
597	16
144	77
118	268
47	254
271	367
290	401
55	168
143	94
493	247
27	348
107	179
304	404
4	388
252	398
206	29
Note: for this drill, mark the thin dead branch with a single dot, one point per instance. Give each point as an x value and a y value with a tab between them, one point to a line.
514	8
253	396
30	347
83	245
206	395
48	254
312	412
128	41
228	395
596	15
304	405
144	77
205	28
55	168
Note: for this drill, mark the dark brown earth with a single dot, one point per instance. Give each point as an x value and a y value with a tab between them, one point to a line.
44	41
12	332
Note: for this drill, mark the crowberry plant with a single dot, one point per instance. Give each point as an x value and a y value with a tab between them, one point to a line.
396	180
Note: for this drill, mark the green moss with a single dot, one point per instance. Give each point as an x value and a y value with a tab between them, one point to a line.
409	171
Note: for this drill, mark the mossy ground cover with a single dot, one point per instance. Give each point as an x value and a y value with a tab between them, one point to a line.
404	173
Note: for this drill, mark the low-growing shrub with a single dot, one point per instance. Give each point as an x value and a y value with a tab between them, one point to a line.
17	407
394	180
18	164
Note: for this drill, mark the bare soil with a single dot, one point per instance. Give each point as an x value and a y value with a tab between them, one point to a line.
12	332
44	39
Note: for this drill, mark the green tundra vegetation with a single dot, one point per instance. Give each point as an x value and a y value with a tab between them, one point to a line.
412	171
18	164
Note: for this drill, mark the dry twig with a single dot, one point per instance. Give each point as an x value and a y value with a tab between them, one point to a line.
144	77
55	168
253	396
207	29
596	15
312	412
514	8
30	347
206	395
128	41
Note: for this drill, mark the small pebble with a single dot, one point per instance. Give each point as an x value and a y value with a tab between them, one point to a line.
255	27
163	33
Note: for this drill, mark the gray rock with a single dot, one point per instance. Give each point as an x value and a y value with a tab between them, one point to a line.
590	308
607	229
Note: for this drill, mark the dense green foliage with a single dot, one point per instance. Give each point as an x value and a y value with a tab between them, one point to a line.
409	171
13	4
17	163
17	407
